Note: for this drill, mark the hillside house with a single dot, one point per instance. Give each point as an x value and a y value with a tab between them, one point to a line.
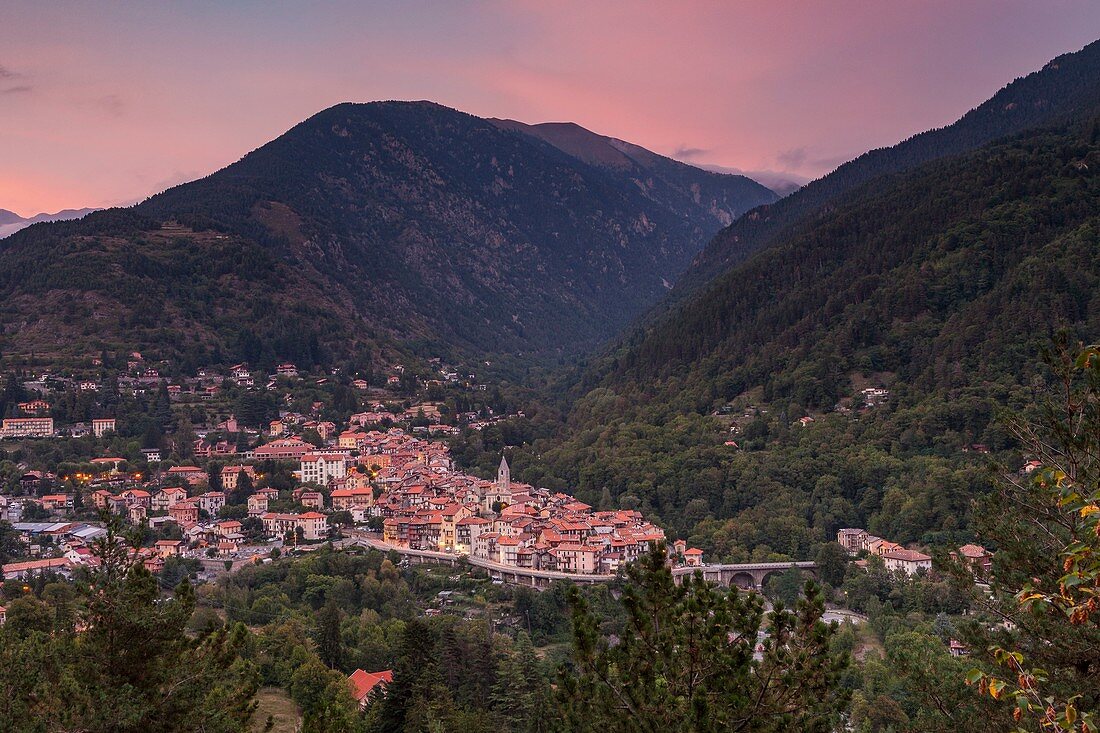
909	562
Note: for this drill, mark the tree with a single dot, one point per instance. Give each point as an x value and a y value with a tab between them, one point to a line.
129	648
10	546
521	695
327	635
684	661
785	587
244	489
832	563
916	688
1046	572
28	615
162	410
324	697
417	697
184	438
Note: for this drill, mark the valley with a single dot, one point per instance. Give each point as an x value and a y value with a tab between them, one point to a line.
413	420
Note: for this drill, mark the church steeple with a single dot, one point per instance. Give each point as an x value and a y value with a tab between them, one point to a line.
504	476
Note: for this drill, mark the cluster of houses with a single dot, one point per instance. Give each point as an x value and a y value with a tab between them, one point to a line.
195	514
894	556
70	546
426	505
899	559
407	482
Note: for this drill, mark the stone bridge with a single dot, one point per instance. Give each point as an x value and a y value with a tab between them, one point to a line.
748	576
497	571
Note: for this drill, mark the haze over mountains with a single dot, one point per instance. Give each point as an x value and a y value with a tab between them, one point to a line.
10	222
1064	88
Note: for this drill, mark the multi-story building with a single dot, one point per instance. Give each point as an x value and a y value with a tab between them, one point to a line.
211	502
232	474
321	468
257	504
167	497
103	425
573	558
851	539
906	561
185	512
314	525
27	427
57	502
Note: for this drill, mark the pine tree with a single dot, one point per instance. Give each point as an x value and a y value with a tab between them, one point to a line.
684	662
162	409
417	698
127	665
521	696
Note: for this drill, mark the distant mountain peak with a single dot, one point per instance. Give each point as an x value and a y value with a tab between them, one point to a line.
391	222
10	222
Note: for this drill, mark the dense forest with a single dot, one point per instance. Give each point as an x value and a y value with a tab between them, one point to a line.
119	281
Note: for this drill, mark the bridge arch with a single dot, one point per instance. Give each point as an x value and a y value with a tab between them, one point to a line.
742	579
765	575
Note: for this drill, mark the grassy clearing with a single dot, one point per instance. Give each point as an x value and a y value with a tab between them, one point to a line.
274	702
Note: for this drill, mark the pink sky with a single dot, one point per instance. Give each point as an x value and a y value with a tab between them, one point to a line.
107	103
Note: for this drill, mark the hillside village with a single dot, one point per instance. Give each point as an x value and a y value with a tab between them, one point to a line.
233	494
244	495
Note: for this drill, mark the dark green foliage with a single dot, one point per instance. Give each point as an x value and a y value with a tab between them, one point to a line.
876	590
327	635
832	563
918	687
522	692
1045	530
941	283
417	697
684	662
127	666
10	546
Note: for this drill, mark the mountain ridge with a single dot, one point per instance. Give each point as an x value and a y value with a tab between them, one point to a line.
1063	87
427	225
10	222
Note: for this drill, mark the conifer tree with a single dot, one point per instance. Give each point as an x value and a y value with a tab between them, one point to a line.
684	662
127	665
329	642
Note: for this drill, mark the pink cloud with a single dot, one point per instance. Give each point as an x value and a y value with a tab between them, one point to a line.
127	98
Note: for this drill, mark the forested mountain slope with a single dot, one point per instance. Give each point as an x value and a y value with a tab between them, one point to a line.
394	220
681	187
1065	88
941	285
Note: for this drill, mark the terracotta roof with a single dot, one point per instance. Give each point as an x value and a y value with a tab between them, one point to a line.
363	682
976	551
907	556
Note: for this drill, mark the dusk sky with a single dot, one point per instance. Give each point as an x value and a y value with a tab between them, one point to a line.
107	103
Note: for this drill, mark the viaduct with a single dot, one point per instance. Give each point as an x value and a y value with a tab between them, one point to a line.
750	576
